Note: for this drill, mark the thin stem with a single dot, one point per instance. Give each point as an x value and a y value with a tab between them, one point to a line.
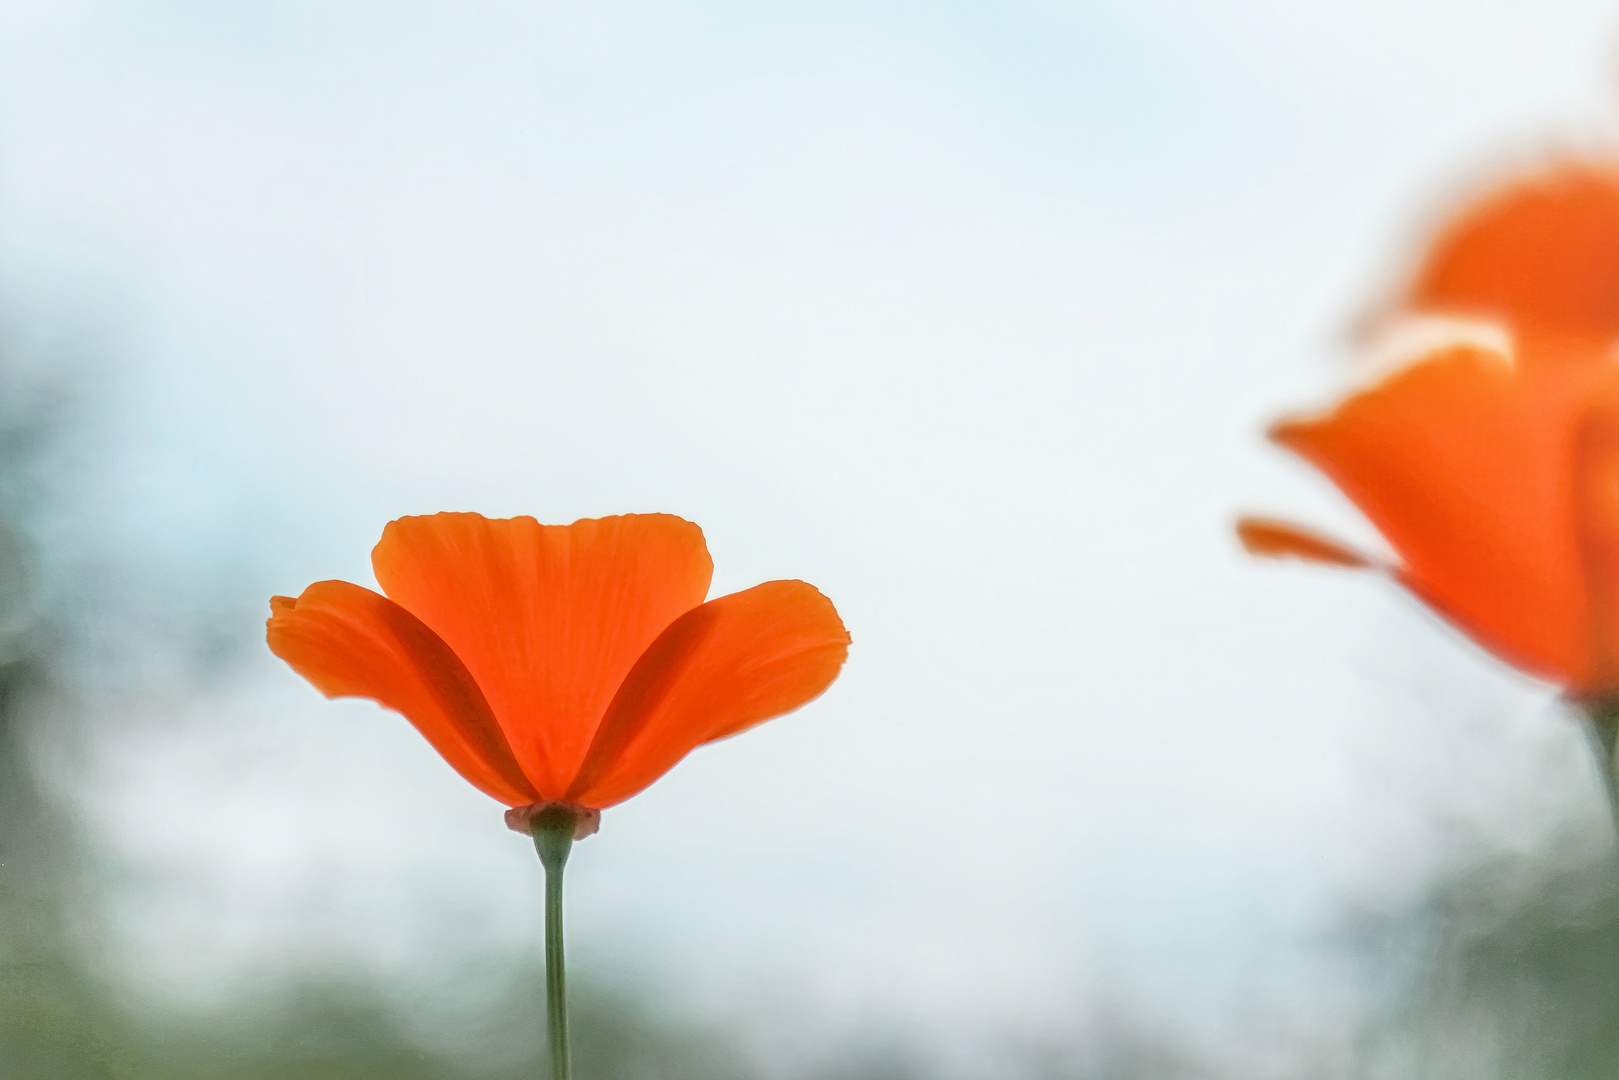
553	837
1601	717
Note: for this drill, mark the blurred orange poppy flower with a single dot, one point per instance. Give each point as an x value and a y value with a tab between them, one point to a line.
560	663
1493	475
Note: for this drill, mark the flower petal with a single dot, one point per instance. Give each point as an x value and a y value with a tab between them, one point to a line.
1272	539
350	642
1465	461
548	618
735	662
1596	527
1541	253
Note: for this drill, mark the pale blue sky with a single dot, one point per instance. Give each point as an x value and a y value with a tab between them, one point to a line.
968	313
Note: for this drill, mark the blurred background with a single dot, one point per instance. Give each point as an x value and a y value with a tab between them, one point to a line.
969	313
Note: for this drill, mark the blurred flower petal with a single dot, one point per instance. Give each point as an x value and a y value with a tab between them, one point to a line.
1273	539
1541	253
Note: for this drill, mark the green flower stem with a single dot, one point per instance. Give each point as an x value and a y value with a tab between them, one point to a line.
1602	725
553	838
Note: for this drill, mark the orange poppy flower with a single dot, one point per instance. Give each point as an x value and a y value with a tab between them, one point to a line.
569	664
1495	477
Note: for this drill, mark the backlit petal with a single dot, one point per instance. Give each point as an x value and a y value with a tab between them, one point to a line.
1541	253
1465	462
350	642
732	663
548	618
1273	539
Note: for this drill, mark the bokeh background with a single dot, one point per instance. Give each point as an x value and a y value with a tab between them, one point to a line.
969	313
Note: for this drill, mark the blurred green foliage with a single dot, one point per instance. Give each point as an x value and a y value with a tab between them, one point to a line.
55	1020
1511	967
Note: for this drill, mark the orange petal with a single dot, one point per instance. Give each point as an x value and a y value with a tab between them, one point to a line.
1464	461
734	662
1596	526
350	642
548	618
1273	539
1541	253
